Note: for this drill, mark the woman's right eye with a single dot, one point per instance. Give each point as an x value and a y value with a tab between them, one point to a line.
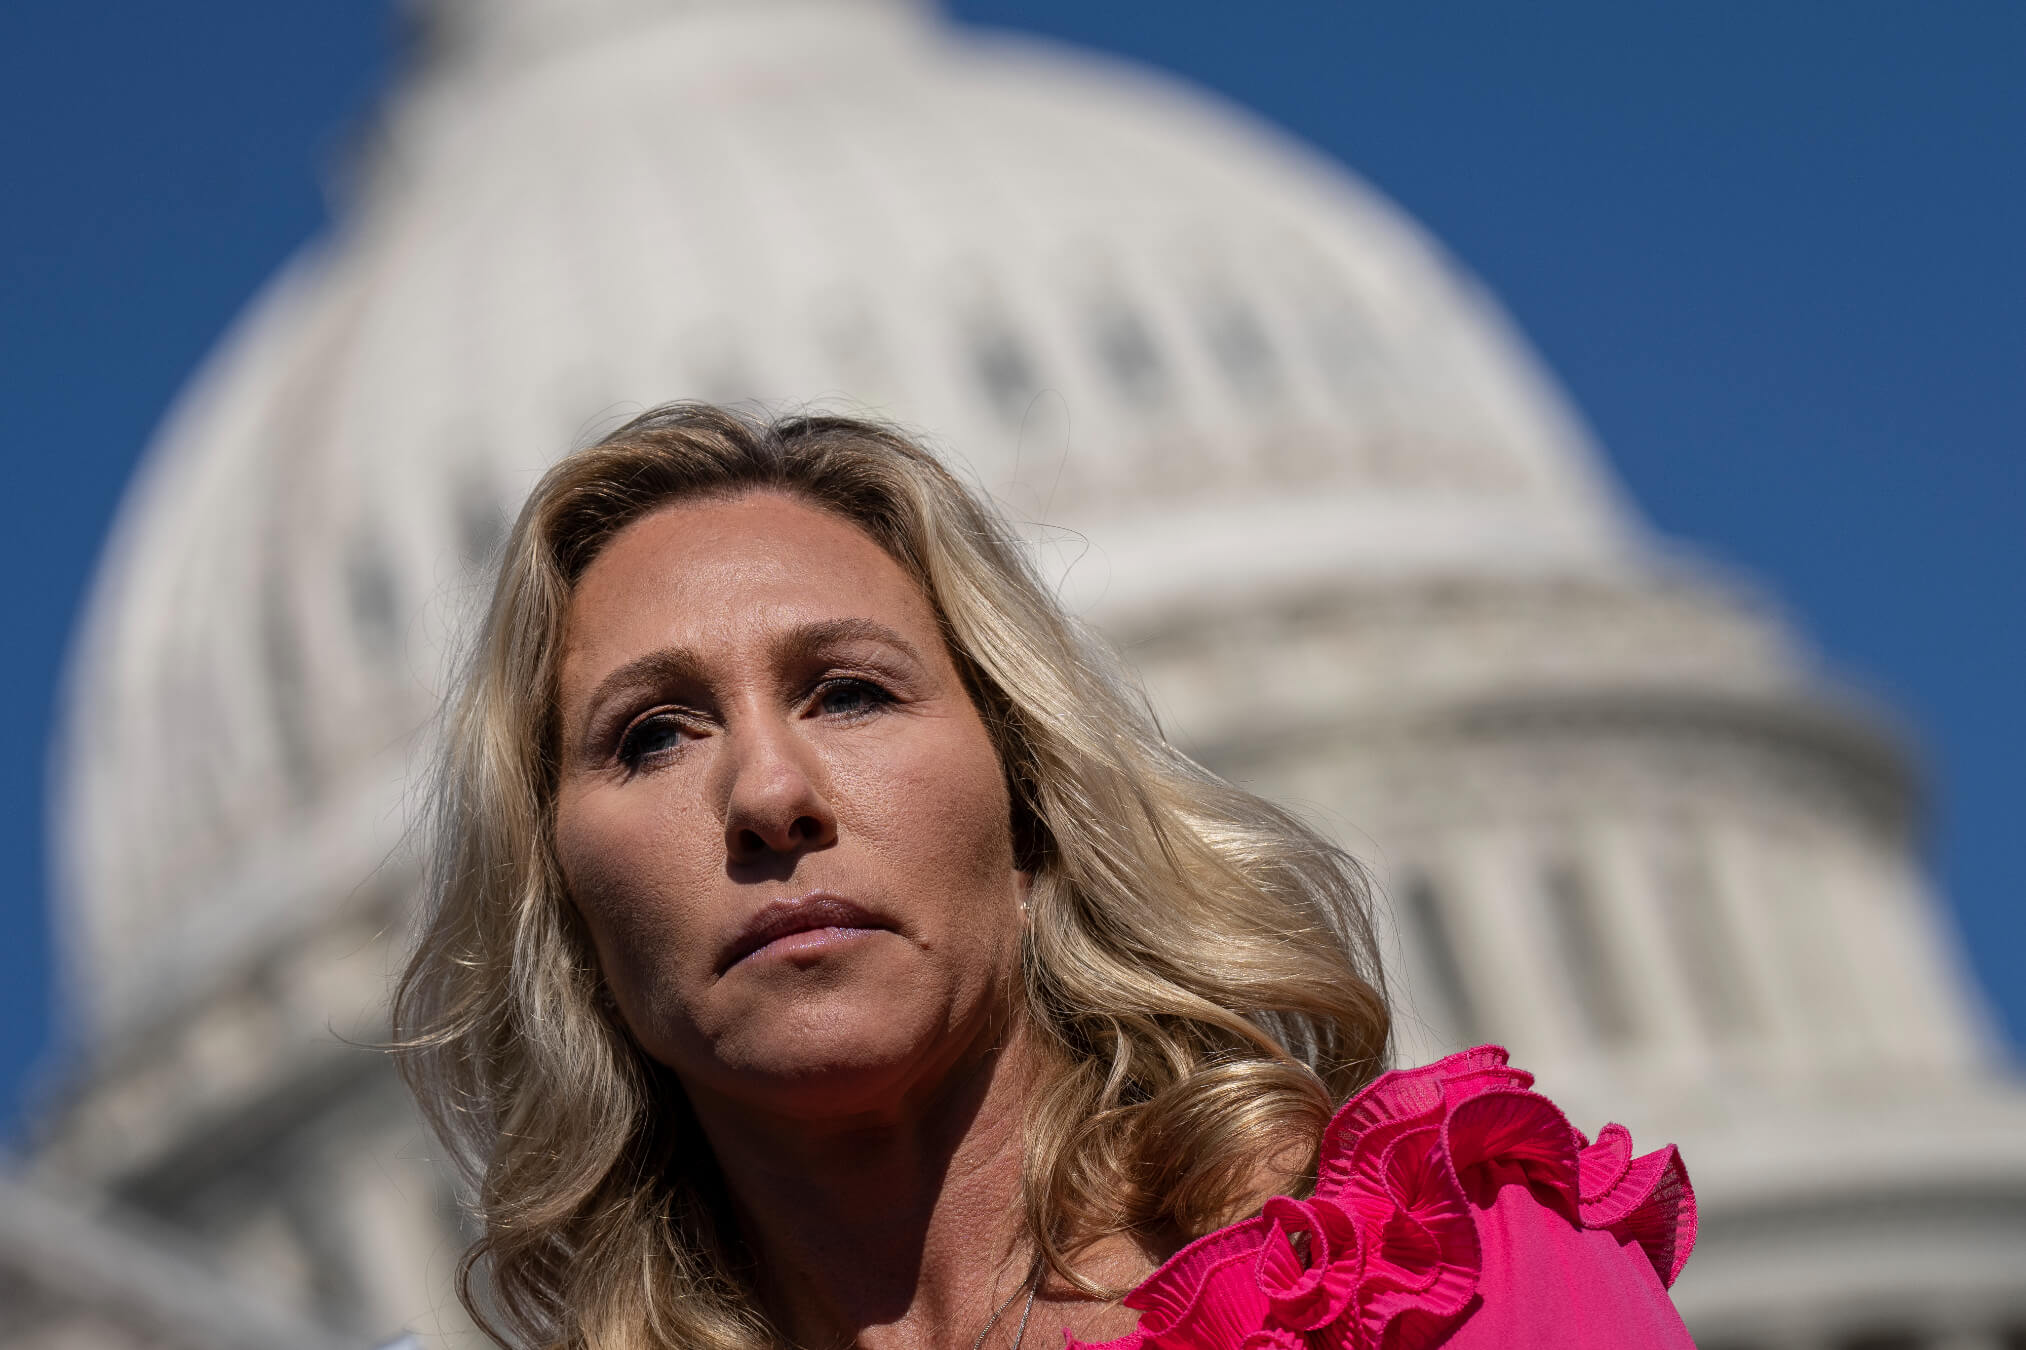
648	736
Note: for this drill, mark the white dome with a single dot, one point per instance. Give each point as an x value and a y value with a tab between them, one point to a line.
1131	311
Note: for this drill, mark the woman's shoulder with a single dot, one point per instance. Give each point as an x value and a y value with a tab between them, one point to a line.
1454	1207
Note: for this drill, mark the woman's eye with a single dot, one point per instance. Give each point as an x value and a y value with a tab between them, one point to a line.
851	698
649	736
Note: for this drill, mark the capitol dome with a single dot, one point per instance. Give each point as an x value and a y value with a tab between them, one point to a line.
1259	429
1132	313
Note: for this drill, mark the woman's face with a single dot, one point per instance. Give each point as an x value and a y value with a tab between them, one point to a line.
779	812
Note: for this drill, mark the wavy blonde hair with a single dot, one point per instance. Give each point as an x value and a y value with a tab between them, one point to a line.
1199	965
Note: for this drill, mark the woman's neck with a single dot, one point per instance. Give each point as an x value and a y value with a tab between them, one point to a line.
900	1232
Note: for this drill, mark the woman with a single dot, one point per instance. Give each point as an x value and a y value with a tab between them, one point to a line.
827	949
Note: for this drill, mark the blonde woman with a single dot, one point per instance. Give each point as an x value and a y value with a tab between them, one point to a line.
827	950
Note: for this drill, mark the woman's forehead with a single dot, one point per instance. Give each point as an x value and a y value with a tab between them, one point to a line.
737	570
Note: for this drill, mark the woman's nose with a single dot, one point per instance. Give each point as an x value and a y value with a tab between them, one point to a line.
775	805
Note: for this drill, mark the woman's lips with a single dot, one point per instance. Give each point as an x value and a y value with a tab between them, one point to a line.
800	924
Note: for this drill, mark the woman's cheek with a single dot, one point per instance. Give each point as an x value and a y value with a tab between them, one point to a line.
956	796
615	850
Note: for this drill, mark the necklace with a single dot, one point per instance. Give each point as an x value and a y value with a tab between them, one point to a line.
1020	1333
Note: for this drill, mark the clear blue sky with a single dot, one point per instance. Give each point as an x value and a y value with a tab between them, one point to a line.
1775	251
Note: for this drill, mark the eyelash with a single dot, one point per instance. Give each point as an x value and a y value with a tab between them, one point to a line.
632	756
877	696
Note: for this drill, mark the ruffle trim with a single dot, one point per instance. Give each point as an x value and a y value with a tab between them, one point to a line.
1388	1242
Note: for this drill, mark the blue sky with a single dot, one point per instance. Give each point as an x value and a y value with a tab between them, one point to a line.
1774	251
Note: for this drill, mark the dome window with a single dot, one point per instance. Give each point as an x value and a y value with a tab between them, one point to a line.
1004	370
1243	350
1126	351
373	598
480	520
282	665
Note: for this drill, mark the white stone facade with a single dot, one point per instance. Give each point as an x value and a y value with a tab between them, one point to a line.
1293	461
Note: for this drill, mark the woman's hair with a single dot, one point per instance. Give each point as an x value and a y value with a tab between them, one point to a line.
1199	966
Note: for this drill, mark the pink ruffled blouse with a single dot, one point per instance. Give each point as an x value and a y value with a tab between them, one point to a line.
1453	1207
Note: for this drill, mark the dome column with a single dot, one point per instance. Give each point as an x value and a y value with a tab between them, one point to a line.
1671	1036
1508	941
1740	879
1930	1021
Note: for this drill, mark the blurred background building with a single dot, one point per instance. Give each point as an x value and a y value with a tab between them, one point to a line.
1272	441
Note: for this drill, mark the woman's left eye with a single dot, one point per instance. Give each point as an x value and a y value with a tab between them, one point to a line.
851	698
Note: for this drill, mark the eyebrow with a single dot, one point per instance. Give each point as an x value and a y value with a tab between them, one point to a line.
679	665
809	638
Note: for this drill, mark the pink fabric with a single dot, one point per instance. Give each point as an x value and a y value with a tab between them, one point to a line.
1453	1208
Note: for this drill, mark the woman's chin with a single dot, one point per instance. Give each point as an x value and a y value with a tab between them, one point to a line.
852	1063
